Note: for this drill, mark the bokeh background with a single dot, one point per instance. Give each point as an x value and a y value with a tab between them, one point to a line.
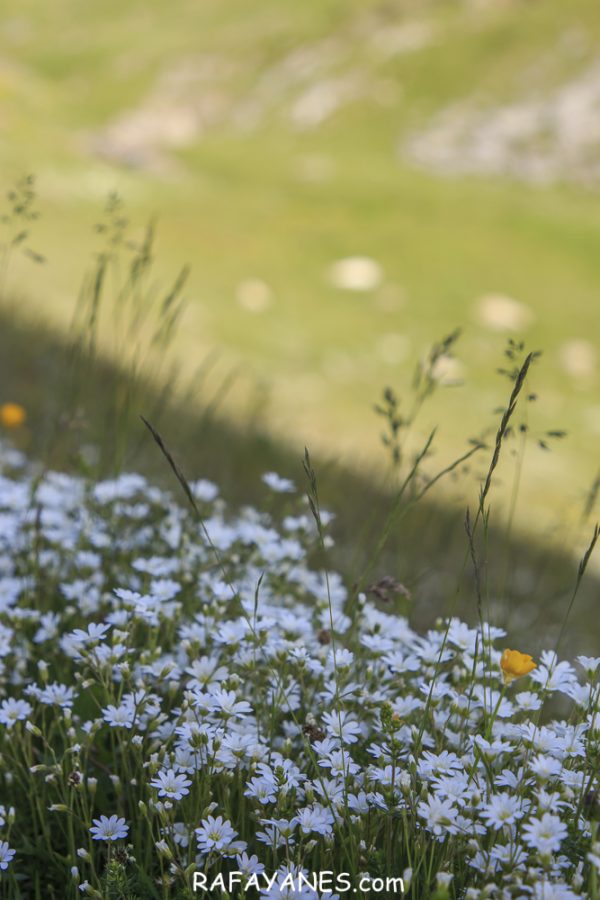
349	182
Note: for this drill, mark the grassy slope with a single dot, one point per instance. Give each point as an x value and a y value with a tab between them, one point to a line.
526	586
237	206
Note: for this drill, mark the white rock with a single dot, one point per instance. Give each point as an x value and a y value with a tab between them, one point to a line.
356	273
448	370
578	358
502	313
254	295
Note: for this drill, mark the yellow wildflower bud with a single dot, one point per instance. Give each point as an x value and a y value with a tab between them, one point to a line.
515	664
12	415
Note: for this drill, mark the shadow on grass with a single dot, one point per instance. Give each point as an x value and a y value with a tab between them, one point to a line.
529	583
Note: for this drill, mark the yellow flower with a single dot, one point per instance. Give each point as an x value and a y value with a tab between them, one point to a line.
12	415
515	664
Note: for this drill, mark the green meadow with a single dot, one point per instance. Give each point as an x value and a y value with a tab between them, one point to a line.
269	141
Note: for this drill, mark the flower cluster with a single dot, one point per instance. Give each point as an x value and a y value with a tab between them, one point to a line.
194	695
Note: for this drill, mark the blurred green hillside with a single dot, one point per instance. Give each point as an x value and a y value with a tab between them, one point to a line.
450	143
